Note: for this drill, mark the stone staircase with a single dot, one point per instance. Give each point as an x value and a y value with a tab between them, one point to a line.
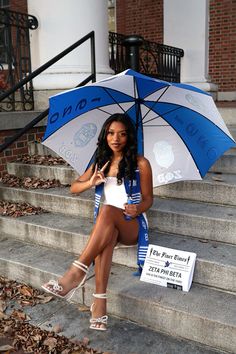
197	216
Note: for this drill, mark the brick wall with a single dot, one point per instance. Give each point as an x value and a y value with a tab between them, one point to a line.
145	17
20	147
141	17
222	46
18	5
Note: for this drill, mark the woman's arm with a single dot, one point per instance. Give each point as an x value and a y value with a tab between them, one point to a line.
145	184
82	183
146	189
88	179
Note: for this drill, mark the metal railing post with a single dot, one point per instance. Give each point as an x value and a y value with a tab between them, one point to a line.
132	44
93	58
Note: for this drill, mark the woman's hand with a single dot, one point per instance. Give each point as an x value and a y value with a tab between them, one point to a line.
131	210
88	179
98	175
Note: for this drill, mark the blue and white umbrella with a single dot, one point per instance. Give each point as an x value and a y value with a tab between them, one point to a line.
179	128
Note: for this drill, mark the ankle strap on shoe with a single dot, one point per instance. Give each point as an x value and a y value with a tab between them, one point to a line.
81	266
100	296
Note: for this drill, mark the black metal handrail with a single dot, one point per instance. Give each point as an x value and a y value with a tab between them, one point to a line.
90	36
158	60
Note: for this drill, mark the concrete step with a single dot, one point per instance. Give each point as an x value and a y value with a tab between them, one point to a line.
65	174
36	148
232	128
54	199
226	164
119	338
214	188
199	220
18	119
207	190
205	315
227	111
215	266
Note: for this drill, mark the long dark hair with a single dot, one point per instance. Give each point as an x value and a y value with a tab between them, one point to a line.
128	164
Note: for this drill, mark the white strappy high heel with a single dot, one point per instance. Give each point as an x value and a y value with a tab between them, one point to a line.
53	287
99	323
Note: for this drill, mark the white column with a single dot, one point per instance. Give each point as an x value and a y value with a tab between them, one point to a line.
61	23
186	27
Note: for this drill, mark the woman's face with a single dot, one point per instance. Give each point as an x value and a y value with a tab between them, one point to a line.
117	136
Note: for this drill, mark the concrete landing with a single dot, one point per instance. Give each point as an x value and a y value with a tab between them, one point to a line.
122	336
203	315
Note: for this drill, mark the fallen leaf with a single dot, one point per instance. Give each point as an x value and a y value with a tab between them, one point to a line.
2	306
42	160
50	343
7	330
66	351
25	302
20	315
18	209
2	315
85	341
218	179
37	337
57	328
44	299
26	338
83	308
4	348
26	290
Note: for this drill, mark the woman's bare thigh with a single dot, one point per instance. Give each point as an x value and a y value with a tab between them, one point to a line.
127	229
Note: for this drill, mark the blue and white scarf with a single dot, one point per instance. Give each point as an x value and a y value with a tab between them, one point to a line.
132	190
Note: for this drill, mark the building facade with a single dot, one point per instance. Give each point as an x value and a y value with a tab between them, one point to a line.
204	29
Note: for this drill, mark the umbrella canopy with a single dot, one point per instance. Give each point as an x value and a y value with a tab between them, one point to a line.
179	128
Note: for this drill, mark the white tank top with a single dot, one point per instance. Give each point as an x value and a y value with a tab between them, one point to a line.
114	194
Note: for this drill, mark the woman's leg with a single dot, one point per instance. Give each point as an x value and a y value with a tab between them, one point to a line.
102	271
109	224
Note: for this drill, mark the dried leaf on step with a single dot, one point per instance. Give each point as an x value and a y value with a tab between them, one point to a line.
42	160
5	348
8	330
44	299
85	341
82	308
2	315
50	342
57	328
20	315
3	306
26	290
13	209
66	351
218	179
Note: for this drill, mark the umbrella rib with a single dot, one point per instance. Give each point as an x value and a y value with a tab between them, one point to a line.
172	110
136	95
103	110
154	104
105	89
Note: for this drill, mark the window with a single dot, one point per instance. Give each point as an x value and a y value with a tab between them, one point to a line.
112	15
4	4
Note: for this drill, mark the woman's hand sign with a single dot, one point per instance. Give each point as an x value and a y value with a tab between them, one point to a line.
98	175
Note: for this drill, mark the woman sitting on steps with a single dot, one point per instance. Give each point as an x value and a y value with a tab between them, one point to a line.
122	176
